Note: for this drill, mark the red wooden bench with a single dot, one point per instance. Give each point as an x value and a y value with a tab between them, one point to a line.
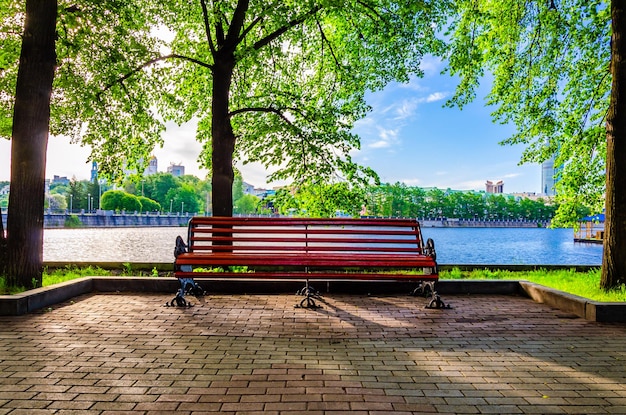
369	249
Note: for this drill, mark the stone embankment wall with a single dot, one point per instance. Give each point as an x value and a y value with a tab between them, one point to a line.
460	223
109	219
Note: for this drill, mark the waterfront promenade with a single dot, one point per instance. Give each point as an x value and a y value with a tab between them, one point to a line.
244	354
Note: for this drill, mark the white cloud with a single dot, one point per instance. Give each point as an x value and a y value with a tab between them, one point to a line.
411	182
386	138
436	96
406	109
511	175
469	185
380	144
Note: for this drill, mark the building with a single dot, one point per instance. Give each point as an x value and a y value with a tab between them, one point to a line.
152	167
497	187
248	189
547	177
61	180
176	169
94	171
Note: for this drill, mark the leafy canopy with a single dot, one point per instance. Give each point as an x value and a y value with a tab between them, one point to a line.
550	66
301	71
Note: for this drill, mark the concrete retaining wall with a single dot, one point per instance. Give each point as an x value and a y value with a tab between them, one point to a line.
29	301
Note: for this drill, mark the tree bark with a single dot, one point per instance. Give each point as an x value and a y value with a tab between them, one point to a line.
613	257
223	137
31	120
3	247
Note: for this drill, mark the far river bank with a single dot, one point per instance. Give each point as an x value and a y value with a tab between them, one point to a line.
109	219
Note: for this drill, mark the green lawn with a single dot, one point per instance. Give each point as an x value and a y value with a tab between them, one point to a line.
51	277
584	284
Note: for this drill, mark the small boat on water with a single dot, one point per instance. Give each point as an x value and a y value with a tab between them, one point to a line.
590	229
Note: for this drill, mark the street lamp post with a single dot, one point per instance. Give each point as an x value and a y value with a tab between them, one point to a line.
182	207
88	202
71	201
171	202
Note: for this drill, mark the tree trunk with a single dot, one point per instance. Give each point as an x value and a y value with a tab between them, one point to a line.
31	120
223	138
613	257
3	247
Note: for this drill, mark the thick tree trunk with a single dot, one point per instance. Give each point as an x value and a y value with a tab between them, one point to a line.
3	247
614	255
223	138
31	119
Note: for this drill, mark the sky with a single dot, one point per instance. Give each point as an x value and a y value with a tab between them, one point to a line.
409	136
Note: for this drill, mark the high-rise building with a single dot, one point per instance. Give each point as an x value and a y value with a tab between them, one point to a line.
547	177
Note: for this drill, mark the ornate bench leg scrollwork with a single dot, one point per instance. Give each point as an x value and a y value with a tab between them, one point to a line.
310	295
427	289
187	286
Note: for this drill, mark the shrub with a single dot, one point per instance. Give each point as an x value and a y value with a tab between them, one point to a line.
72	221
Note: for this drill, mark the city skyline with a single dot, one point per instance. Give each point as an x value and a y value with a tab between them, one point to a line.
409	137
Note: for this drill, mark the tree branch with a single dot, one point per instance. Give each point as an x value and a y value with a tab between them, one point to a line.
151	62
261	109
249	28
239	15
330	46
267	39
205	16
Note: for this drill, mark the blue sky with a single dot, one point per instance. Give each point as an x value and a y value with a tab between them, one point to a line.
408	137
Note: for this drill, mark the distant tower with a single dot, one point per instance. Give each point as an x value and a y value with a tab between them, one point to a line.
94	171
547	177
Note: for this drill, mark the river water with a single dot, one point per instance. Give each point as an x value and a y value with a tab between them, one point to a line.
500	246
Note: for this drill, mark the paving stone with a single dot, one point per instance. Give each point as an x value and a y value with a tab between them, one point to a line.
106	354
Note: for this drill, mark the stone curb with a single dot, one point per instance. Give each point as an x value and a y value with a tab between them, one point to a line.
582	307
29	301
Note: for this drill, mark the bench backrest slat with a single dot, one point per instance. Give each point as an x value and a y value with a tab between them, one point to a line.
341	235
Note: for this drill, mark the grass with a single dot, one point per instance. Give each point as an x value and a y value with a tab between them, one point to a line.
58	275
55	276
583	284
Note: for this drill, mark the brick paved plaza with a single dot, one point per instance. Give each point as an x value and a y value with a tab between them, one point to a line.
241	354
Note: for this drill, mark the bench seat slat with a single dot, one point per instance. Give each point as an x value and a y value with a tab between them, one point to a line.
309	275
310	260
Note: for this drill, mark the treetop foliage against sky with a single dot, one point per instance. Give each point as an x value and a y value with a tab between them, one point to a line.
302	68
550	66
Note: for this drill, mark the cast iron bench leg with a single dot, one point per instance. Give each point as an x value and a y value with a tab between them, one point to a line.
427	289
187	286
310	295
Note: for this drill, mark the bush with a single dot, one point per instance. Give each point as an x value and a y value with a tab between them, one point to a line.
72	221
149	205
119	200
